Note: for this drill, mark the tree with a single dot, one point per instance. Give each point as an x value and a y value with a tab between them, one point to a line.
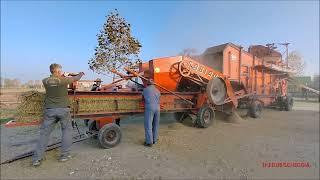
38	84
316	82
116	47
8	82
2	82
30	84
295	61
16	82
11	82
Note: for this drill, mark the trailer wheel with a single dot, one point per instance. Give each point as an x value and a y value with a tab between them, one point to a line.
255	109
205	117
288	103
180	116
216	91
109	135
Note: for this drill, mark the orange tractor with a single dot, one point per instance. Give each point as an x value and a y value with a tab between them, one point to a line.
222	79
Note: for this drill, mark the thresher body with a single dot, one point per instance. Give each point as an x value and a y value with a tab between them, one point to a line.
163	71
266	75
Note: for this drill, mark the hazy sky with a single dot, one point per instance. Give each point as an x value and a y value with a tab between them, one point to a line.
36	34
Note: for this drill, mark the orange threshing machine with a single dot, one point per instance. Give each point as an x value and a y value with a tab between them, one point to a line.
222	79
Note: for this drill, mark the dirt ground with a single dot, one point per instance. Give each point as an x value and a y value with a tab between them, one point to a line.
224	150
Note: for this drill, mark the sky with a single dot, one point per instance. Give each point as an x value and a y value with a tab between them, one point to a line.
35	34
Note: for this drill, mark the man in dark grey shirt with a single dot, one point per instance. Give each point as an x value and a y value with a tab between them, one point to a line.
56	109
151	97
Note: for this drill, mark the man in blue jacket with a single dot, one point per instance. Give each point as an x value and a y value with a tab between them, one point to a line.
151	97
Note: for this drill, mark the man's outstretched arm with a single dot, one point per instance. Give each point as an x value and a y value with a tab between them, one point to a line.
77	77
69	80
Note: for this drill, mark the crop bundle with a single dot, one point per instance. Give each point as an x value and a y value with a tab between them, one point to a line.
32	102
102	104
30	106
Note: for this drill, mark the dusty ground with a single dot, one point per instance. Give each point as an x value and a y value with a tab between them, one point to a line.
224	150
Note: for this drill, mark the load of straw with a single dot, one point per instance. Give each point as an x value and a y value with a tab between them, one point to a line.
31	105
93	105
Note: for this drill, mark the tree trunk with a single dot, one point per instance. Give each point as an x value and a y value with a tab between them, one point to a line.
114	67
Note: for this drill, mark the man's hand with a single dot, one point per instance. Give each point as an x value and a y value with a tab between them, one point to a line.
66	74
77	77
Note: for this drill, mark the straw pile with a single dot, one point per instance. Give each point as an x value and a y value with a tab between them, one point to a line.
31	105
93	105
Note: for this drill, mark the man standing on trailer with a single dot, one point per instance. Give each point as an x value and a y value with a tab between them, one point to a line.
97	85
56	109
151	97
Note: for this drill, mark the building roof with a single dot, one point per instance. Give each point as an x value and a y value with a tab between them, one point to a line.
219	48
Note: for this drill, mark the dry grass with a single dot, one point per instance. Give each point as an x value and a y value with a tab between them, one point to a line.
31	105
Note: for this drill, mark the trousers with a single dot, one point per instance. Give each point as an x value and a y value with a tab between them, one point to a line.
151	124
51	117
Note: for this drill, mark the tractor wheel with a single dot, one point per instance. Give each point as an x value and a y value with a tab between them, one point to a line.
216	91
109	135
205	117
180	116
288	103
255	109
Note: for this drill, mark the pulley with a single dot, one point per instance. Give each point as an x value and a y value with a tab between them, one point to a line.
216	91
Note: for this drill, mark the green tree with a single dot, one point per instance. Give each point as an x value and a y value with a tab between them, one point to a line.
116	47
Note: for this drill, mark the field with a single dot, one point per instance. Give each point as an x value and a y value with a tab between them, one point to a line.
224	150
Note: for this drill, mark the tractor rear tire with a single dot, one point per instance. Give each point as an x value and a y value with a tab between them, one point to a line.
109	135
255	109
205	117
